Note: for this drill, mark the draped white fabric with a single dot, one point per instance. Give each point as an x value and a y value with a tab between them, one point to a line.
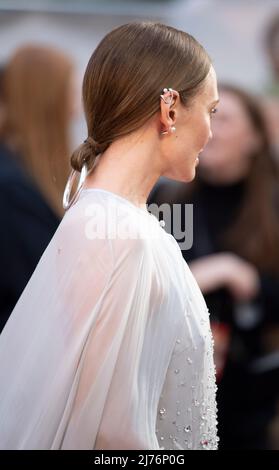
104	334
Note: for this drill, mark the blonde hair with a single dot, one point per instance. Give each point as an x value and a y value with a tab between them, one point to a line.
37	105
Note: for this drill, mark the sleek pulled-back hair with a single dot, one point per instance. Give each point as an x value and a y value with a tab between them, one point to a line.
125	76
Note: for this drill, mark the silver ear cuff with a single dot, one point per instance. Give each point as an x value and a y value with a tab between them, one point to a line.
169	92
167	97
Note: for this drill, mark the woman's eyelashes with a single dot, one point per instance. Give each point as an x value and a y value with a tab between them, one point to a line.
213	111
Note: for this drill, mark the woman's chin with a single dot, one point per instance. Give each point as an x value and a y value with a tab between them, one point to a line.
183	176
192	176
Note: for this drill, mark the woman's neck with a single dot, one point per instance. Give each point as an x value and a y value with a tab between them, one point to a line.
129	167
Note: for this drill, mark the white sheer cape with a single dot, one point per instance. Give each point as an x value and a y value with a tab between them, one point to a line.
109	346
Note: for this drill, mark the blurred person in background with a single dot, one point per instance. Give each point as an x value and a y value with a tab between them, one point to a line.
37	89
235	259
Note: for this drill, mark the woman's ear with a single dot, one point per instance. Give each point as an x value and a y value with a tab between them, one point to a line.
169	101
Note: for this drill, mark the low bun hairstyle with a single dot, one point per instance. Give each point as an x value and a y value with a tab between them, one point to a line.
125	76
87	153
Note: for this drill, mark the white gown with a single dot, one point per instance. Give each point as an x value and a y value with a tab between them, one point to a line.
109	346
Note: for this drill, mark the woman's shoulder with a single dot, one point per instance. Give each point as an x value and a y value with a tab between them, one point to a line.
103	218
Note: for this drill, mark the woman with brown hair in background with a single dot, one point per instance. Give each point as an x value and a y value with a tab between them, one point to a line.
37	106
117	348
235	259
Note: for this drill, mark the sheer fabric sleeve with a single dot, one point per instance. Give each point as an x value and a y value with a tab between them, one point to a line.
85	352
121	374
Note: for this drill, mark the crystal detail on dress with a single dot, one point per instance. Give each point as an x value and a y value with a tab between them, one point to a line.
191	405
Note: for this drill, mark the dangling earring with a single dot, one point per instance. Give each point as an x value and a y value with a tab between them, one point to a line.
172	129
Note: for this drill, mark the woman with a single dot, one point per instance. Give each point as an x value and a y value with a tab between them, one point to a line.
116	332
37	107
235	259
